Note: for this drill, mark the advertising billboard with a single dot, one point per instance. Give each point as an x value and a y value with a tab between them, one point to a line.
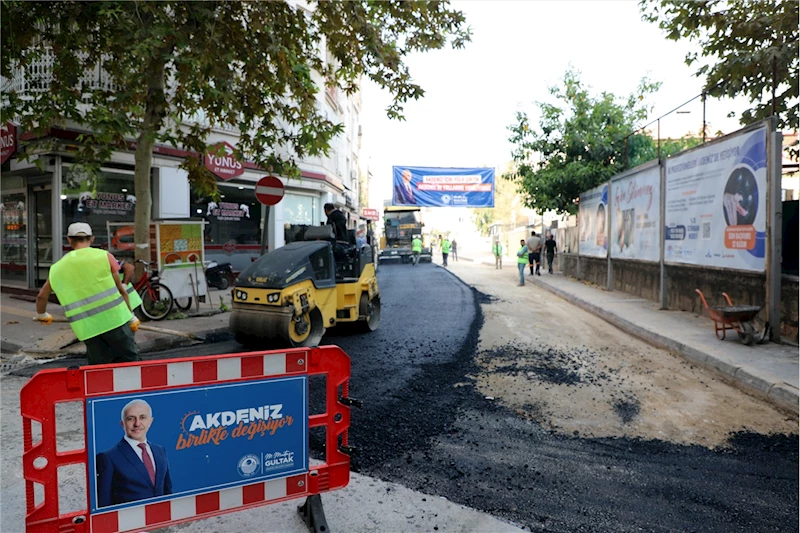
635	218
443	187
150	447
592	212
716	200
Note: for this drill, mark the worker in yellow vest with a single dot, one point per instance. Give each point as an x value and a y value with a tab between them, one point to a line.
445	250
522	260
497	250
93	298
416	249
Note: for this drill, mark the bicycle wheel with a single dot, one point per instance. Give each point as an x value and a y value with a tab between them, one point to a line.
183	304
159	305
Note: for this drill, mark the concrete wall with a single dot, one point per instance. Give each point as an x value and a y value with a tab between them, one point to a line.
636	277
743	288
642	279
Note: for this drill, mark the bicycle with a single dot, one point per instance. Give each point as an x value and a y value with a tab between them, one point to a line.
157	300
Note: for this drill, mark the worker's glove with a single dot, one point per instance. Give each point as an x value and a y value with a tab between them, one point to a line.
134	324
44	318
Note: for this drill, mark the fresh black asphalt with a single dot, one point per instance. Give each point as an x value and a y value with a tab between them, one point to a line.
425	425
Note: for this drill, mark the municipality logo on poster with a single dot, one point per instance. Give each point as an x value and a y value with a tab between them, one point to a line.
278	460
248	465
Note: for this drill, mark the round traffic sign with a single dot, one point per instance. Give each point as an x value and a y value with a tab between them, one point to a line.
269	190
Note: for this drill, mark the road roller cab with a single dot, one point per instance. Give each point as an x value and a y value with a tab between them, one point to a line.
291	295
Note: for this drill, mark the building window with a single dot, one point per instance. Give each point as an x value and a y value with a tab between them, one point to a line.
96	197
300	209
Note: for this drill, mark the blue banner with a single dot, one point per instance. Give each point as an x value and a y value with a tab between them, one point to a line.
156	446
443	187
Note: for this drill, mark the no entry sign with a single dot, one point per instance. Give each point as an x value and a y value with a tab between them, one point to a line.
269	190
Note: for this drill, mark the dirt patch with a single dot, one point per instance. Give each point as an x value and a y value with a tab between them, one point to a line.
583	377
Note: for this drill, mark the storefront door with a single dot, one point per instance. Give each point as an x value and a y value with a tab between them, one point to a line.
41	234
14	239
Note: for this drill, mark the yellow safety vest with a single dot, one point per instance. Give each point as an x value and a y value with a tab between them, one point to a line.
133	296
416	245
522	255
86	289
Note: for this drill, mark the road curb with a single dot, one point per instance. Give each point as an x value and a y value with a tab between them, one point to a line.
779	394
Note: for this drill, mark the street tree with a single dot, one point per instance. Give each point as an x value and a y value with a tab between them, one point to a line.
747	47
580	142
181	68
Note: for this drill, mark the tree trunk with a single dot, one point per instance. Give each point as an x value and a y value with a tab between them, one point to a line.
155	110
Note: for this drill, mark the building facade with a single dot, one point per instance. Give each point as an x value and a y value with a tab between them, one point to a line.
41	197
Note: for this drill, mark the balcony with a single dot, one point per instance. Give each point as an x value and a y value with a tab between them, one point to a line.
38	76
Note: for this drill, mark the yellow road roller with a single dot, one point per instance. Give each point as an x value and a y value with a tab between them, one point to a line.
291	295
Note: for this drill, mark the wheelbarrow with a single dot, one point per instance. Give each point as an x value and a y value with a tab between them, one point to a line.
738	318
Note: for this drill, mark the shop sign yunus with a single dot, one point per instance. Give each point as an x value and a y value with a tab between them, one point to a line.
221	162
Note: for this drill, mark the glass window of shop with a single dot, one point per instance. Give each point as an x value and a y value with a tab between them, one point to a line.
96	197
234	218
14	238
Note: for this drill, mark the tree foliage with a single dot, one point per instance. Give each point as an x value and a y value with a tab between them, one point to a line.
741	41
507	207
579	143
181	68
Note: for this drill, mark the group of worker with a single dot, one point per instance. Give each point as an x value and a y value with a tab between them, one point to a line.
95	292
529	254
445	244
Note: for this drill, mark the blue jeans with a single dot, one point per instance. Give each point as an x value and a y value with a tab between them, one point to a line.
521	267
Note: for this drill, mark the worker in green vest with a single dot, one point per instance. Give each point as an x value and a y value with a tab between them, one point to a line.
416	249
94	299
522	260
497	250
445	250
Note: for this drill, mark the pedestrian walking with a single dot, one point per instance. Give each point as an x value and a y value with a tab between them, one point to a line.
94	299
550	251
497	250
534	252
416	249
454	249
522	260
445	250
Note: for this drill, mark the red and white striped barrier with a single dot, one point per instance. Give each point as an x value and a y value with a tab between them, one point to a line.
41	459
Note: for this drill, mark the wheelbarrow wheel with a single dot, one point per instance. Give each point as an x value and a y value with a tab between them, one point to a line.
747	334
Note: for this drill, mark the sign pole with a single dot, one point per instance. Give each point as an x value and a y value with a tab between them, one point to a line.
269	191
264	229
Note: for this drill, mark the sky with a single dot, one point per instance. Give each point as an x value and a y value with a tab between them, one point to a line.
519	49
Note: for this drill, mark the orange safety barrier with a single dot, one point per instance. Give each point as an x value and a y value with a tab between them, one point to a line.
205	376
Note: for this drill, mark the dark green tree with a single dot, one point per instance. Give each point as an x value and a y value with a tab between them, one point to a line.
579	143
256	66
745	47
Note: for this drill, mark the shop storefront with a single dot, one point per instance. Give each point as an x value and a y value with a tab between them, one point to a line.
40	202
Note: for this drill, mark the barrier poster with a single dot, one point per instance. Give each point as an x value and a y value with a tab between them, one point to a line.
149	447
635	222
716	204
592	212
443	187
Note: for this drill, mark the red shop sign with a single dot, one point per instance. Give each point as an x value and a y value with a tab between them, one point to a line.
8	141
221	162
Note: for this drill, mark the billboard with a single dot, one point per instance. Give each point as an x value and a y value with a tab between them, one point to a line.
443	187
716	204
592	212
150	447
635	219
